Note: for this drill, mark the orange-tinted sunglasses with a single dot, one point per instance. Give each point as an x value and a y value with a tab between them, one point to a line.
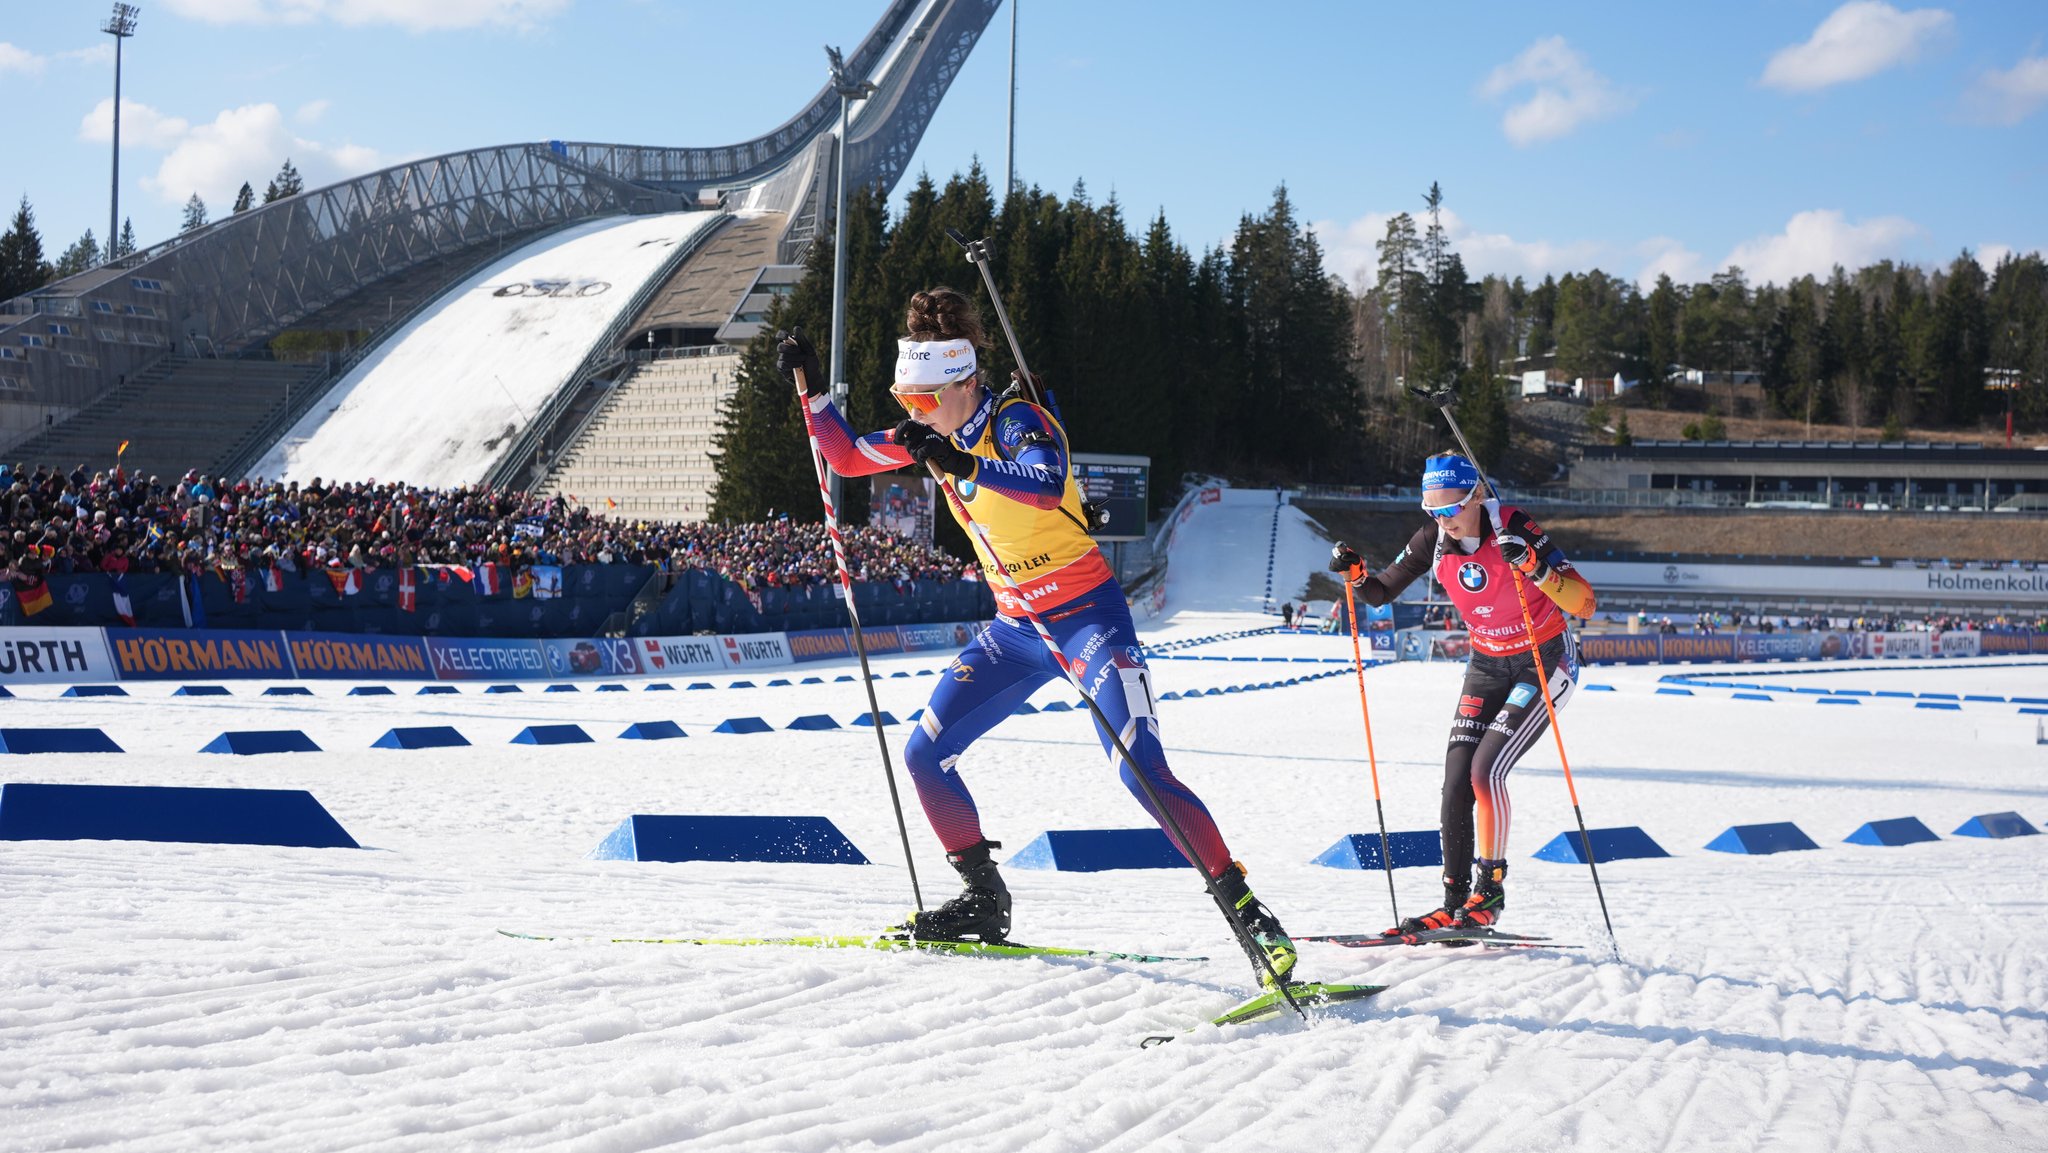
926	401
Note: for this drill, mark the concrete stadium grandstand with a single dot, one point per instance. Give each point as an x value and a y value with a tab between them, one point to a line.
553	315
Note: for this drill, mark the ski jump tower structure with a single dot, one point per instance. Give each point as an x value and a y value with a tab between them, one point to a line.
171	347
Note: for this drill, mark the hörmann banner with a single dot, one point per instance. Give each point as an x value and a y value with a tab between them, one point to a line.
353	656
212	654
54	656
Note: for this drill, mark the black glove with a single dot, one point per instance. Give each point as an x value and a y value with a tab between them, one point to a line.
793	352
1516	551
1345	559
927	445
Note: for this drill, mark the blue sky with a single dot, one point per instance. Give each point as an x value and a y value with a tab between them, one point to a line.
1784	136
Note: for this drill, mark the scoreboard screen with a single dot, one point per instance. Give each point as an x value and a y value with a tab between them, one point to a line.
1121	484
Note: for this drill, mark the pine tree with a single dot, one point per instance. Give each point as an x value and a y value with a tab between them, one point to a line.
22	268
124	245
195	215
245	199
84	253
1662	338
285	183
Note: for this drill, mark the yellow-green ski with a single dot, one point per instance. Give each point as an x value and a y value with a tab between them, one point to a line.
883	944
1265	1006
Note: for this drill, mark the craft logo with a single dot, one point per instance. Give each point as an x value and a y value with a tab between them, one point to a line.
1472	576
1469	706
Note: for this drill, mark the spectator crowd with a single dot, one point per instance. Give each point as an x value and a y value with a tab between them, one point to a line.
85	521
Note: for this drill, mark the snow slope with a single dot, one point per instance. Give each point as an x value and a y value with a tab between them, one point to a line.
447	394
158	997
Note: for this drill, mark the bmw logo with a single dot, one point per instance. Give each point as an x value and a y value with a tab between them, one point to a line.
1472	575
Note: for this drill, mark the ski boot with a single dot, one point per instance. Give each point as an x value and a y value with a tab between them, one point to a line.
1456	889
1488	900
980	913
1275	954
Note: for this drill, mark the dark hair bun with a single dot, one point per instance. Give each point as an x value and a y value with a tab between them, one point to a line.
944	314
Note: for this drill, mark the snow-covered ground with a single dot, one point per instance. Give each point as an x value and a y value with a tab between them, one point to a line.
160	996
478	363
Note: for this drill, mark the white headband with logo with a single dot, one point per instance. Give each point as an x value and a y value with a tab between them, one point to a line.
927	364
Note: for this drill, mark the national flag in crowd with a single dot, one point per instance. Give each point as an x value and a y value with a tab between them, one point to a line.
487	582
522	584
610	503
35	598
238	585
123	606
346	582
273	579
191	598
408	591
122	449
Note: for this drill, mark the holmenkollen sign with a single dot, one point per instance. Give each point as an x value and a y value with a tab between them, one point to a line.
1836	582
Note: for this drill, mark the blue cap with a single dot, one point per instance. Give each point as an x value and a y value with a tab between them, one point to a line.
1449	471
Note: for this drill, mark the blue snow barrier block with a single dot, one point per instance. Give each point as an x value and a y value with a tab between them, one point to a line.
1852	692
1668	691
1939	697
287	691
843	679
611	688
252	742
1984	697
1096	850
1897	831
1950	705
1362	851
743	725
4	694
95	691
562	689
2030	701
1234	689
1214	693
816	722
1620	844
1840	701
898	673
779	682
1751	697
658	687
1599	688
421	737
1997	825
1778	837
1809	689
914	715
504	689
695	685
1056	707
867	720
927	672
289	817
1894	693
782	840
653	731
371	691
552	735
2030	711
1023	709
56	741
1169	696
438	691
201	691
812	681
741	685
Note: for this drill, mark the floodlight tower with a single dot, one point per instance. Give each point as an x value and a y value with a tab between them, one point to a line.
849	90
121	25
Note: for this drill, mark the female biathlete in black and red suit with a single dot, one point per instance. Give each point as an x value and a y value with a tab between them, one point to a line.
1470	545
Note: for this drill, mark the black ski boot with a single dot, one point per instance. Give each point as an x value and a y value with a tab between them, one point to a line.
1456	889
982	910
1488	900
1275	954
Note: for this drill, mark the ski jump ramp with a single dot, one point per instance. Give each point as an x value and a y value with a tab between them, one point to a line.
445	396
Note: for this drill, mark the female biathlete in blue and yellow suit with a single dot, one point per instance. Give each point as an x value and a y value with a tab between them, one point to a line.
1010	466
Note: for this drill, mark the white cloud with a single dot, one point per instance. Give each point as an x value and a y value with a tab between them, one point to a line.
411	15
1859	39
95	54
1350	252
1663	256
2013	95
14	59
311	111
1568	92
1989	255
1814	242
141	125
250	144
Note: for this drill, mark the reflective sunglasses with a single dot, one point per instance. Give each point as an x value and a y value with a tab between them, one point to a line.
925	400
1450	510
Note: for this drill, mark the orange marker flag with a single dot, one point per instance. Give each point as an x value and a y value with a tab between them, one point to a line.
122	449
